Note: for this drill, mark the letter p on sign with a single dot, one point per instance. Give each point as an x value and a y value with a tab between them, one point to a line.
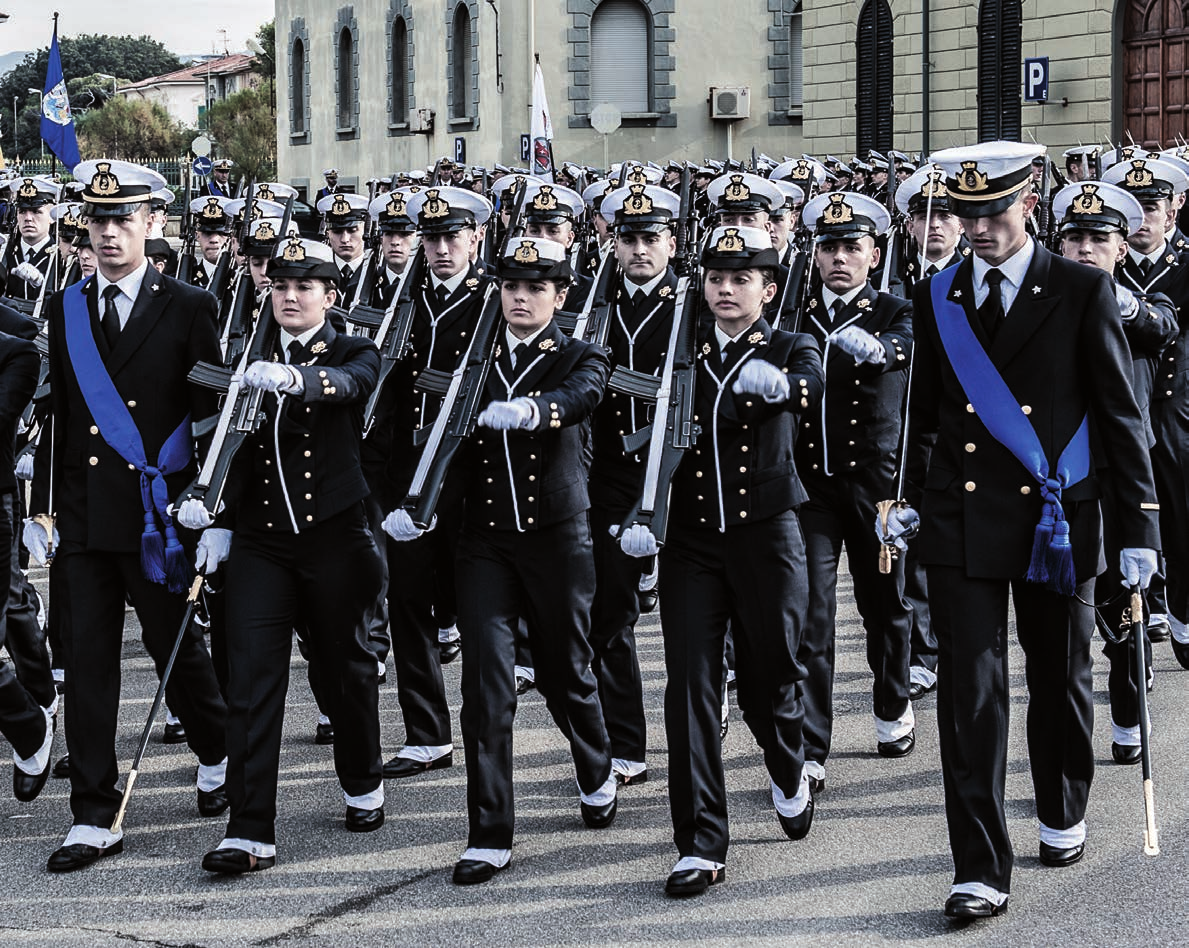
1036	79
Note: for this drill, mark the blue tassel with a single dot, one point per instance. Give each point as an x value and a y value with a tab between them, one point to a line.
1038	571
179	571
152	551
1059	561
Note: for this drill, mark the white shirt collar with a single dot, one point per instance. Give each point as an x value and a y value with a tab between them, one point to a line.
452	283
829	296
724	340
647	288
1014	268
353	264
304	338
513	342
1154	256
24	248
129	285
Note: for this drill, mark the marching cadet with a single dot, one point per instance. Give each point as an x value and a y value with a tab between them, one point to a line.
121	345
785	220
734	552
1019	353
398	241
642	217
1095	221
739	199
551	211
525	552
213	229
298	552
219	183
447	302
68	219
846	456
1153	266
263	235
26	261
345	214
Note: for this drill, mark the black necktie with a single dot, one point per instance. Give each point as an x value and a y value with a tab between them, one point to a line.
1145	266
30	254
345	272
293	349
931	270
111	317
991	312
836	309
442	292
518	352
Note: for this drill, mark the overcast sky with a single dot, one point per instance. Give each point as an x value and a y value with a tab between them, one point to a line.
189	26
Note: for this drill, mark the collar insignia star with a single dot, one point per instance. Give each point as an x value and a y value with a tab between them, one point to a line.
318	348
153	287
956	295
1036	291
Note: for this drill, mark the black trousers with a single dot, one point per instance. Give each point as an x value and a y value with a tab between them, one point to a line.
22	633
753	577
22	721
923	650
378	635
325	577
547	576
613	620
1170	467
841	510
92	587
973	697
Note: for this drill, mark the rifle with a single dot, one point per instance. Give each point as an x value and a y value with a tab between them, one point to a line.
594	322
245	287
394	331
186	257
221	278
794	291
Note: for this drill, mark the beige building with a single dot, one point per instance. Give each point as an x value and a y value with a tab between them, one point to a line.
187	93
372	86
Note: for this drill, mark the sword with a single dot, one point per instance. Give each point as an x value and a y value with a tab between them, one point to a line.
1151	845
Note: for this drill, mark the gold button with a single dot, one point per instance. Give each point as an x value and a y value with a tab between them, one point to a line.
553	404
532	477
697	473
490	501
748	404
531	499
970	408
1025	490
307	454
970	448
269	525
700	497
95	461
742	514
1026	409
815	467
310	518
742	490
94	429
489	480
532	457
322	375
492	524
970	485
308	475
266	503
267	461
132	467
132	403
742	470
852	463
266	480
743	448
854	421
811	447
803	383
530	520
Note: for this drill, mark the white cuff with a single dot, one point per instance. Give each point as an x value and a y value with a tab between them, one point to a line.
920	675
794	805
41	759
366	801
424	753
212	776
980	891
493	857
1180	631
259	850
627	768
1063	839
886	731
449	635
815	770
523	671
604	795
686	863
98	836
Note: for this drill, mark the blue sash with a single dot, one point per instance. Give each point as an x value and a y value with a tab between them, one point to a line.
1000	413
160	561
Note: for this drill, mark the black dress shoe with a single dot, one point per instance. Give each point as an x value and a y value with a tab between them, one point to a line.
213	802
524	684
901	747
599	817
324	734
916	690
234	862
627	780
1126	753
682	885
364	821
80	855
963	906
26	787
174	734
648	599
407	767
1057	857
797	827
1181	651
1159	630
817	785
448	651
474	871
723	729
62	768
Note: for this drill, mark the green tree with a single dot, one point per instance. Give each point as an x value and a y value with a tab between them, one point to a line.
245	127
128	57
130	128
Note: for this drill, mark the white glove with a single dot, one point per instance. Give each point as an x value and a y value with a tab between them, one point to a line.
859	343
758	377
1138	566
193	515
399	525
214	546
37	541
903	523
637	540
507	416
25	466
273	377
1128	304
29	273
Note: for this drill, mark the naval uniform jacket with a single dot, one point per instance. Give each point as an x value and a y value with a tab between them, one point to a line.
741	469
20	365
14	255
1062	352
303	465
1170	277
96	495
911	275
527	480
638	339
857	424
1150	332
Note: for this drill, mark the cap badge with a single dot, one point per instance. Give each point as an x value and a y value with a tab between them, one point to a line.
1088	202
265	232
69	220
256	212
637	202
396	205
934	186
526	253
294	251
801	171
971	179
636	175
838	211
730	242
736	190
265	193
434	205
1139	176
28	189
104	183
212	211
340	207
545	200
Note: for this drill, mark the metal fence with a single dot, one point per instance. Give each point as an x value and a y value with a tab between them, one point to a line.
171	168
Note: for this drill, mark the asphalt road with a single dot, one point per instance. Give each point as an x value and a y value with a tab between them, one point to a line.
875	868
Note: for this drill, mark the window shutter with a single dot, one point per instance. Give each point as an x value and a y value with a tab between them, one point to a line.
999	63
619	61
875	65
796	58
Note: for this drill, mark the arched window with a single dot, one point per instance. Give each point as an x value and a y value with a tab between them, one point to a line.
620	56
796	58
399	114
999	54
460	71
297	89
346	87
873	102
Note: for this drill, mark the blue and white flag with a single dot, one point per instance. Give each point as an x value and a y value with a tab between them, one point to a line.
57	123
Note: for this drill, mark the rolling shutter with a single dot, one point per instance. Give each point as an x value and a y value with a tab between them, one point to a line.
619	55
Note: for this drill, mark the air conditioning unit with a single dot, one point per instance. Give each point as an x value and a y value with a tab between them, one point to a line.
421	120
728	103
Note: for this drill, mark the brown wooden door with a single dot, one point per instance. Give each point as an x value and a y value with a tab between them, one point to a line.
1155	79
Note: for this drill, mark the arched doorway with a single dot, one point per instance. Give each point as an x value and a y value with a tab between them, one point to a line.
1155	71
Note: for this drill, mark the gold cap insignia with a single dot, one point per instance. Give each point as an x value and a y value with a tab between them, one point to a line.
396	205
28	189
104	183
526	253
472	282
636	175
664	291
69	220
838	211
256	212
265	193
1139	176
434	205
1088	202
971	179
545	345
545	200
736	190
730	242
637	202
802	171
340	207
294	251
755	337
318	347
212	211
1126	153
265	232
934	186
